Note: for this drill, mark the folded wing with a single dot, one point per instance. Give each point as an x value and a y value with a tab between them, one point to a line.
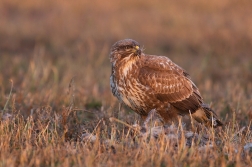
170	83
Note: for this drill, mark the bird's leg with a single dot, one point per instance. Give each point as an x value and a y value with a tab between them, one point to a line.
147	119
150	118
116	112
120	106
114	125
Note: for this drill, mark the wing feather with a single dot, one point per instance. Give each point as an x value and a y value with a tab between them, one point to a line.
169	82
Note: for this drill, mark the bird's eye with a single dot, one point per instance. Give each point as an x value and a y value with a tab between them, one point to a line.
127	47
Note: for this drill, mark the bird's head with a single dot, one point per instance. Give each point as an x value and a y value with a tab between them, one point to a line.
125	48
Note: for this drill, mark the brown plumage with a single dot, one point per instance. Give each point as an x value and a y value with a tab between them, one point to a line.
148	82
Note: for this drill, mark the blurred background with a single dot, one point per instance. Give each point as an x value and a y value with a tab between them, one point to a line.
44	44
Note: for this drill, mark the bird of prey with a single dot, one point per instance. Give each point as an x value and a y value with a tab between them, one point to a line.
148	82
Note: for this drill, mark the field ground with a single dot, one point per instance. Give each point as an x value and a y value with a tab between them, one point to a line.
55	99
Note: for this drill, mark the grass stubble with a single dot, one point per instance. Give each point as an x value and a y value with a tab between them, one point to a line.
47	138
55	101
55	128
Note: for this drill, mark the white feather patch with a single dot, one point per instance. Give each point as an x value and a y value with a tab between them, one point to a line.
128	65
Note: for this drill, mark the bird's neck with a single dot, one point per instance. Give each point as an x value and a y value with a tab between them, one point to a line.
121	62
125	65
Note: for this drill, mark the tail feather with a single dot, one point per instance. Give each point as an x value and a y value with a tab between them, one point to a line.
207	116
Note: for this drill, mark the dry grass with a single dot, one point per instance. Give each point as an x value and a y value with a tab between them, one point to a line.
55	53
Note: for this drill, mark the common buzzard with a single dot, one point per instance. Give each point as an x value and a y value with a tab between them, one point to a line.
149	82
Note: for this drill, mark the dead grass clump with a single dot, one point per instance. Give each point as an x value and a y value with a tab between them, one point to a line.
45	138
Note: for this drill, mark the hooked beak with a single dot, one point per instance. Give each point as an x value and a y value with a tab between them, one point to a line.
137	50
